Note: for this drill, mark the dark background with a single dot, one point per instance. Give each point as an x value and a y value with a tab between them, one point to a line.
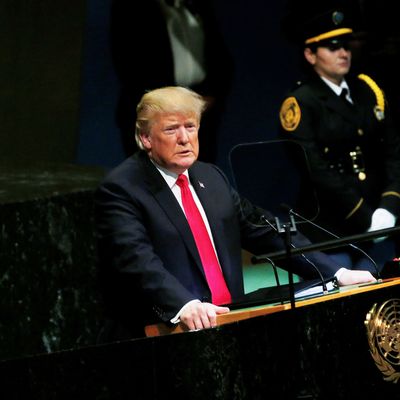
59	89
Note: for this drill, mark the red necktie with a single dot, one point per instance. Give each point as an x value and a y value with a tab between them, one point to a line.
216	282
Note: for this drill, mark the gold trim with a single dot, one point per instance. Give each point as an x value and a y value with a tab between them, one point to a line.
328	35
380	98
391	193
355	208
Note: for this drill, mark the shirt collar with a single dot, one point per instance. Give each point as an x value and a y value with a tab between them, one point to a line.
170	177
337	88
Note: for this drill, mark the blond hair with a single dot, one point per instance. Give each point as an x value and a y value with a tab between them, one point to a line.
169	99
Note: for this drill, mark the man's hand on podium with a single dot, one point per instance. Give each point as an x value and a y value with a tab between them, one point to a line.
354	277
197	315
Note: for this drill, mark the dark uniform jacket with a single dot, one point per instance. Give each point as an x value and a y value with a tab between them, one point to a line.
353	151
150	266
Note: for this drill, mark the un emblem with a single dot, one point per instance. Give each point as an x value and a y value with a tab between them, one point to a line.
383	332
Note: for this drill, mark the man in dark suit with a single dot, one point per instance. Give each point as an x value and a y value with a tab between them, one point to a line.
342	120
153	264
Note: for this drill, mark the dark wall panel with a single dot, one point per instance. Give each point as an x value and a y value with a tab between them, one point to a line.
41	48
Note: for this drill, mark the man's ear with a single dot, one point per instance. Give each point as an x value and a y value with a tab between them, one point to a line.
309	55
146	140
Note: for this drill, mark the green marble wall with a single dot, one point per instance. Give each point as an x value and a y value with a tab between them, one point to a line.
48	293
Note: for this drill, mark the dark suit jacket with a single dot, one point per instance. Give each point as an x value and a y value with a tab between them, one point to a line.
150	266
329	130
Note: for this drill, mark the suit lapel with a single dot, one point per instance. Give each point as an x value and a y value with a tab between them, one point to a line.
168	203
202	190
359	97
332	101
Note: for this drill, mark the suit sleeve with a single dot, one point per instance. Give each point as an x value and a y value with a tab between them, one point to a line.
127	255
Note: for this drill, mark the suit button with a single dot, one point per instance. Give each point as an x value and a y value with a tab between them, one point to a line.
360	132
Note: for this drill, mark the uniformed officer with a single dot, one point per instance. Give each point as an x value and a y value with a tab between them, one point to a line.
343	123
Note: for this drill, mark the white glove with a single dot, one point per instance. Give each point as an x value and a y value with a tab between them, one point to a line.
381	219
353	277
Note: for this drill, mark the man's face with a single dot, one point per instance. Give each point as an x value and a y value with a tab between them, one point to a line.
173	141
332	64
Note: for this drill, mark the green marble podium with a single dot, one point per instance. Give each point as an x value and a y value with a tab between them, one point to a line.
48	293
318	350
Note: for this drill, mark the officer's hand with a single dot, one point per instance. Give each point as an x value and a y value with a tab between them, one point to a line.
355	277
201	315
381	219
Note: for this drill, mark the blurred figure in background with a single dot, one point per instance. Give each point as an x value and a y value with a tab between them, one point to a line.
158	43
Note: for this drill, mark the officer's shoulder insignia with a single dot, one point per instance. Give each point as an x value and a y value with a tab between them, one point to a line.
290	114
379	108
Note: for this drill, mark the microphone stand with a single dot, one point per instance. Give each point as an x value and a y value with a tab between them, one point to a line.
287	229
331	244
378	275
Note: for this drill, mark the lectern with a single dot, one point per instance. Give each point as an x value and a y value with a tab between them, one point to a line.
343	345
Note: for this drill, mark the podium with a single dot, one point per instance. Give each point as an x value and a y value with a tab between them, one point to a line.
321	349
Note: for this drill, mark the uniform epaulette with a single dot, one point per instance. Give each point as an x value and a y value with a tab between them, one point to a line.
379	109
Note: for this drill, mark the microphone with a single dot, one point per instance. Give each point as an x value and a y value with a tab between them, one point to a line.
276	229
292	212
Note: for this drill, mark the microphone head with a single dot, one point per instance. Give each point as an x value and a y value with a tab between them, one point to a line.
286	207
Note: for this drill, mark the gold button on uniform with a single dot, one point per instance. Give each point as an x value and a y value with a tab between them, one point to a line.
360	132
362	176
